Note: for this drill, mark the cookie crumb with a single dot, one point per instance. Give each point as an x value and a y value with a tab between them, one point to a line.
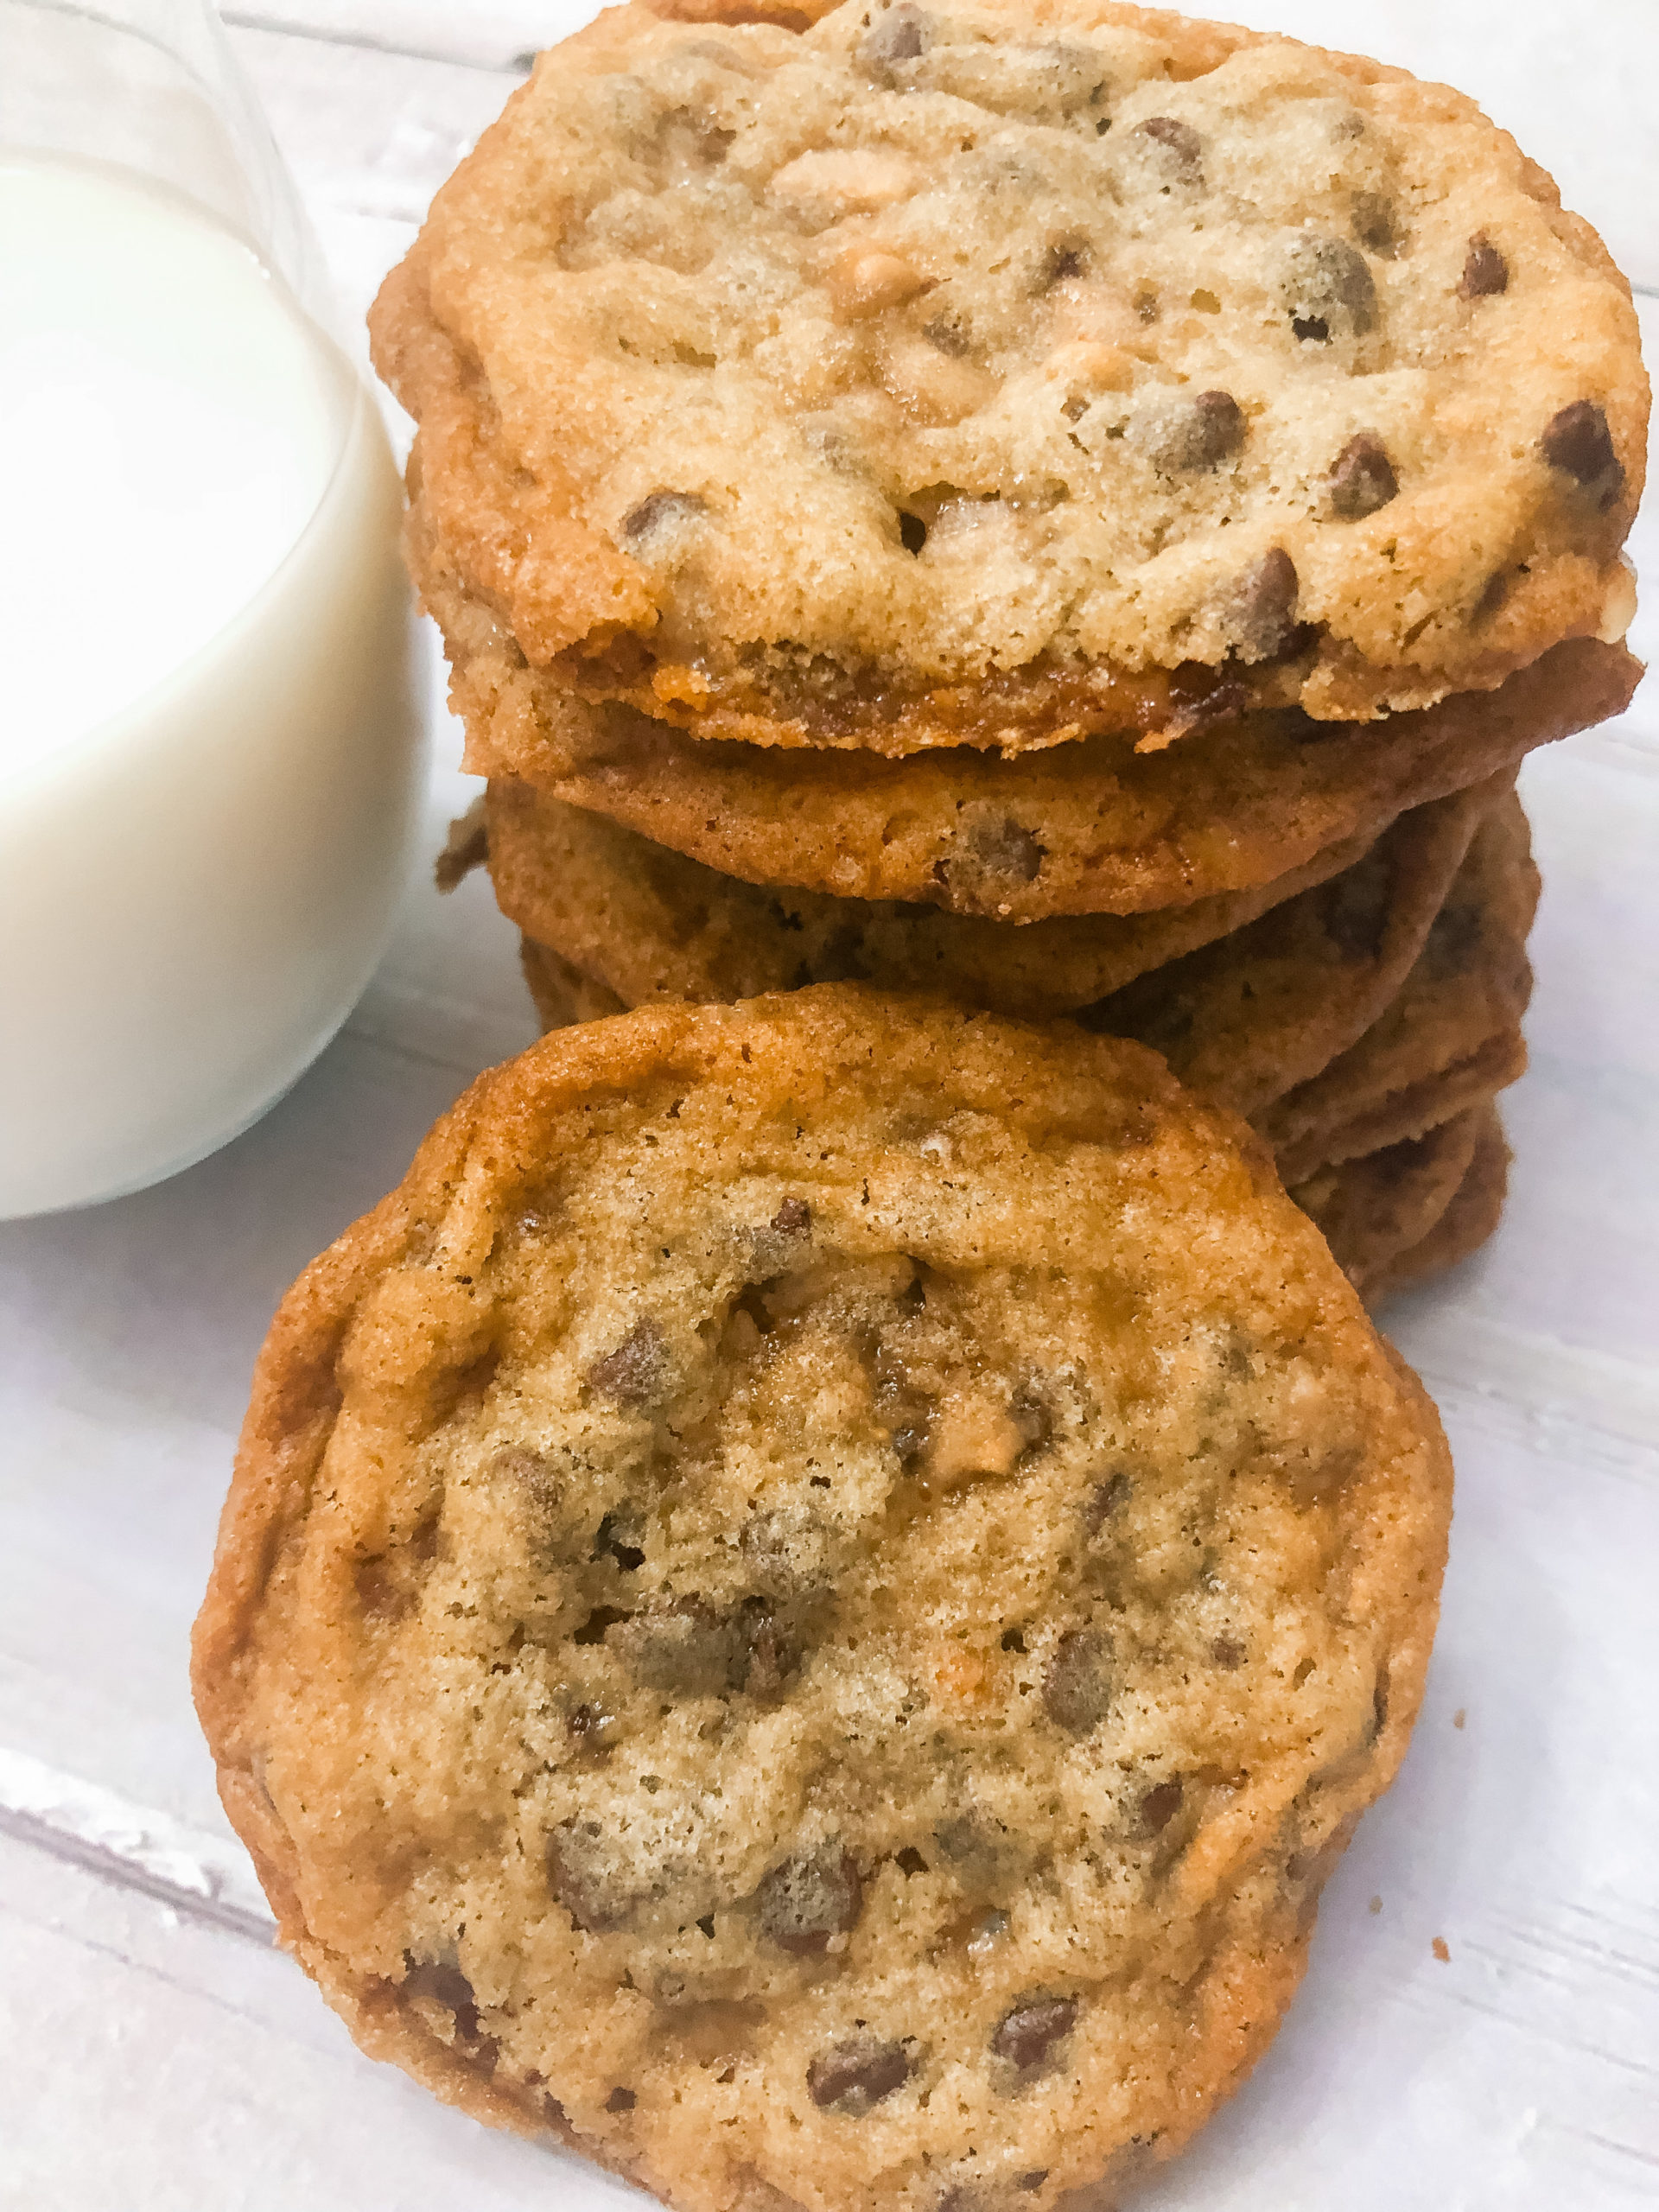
1459	1717
1440	1951
1375	1906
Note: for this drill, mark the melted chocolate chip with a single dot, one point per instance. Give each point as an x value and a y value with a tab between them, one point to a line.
1078	1687
637	1373
1006	848
591	1726
857	2074
1453	941
1579	444
949	337
1328	290
1159	1806
1355	908
806	1901
793	1218
620	2101
912	532
1026	2034
1485	272
1180	144
1363	479
1103	1501
445	1986
660	511
1227	1652
1375	224
611	1541
1060	265
1261	611
902	34
685	1649
584	1874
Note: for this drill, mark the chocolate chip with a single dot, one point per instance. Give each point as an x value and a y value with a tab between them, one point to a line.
1025	2035
1003	847
598	1622
949	337
1374	224
1078	1687
1579	444
1159	1806
1485	272
1196	433
770	1649
637	1373
1355	908
910	1861
445	1986
1058	266
611	1541
1103	1501
1259	614
912	532
522	1464
585	1873
1363	478
806	1901
858	2073
1227	1652
683	1648
979	1848
620	2101
661	512
901	33
793	1218
1031	2181
1453	941
591	1726
1328	290
1180	144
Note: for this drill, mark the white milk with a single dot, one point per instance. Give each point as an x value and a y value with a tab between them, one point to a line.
208	750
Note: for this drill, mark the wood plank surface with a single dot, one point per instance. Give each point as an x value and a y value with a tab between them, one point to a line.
158	2055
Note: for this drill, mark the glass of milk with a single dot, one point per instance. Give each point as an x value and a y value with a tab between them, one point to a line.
210	754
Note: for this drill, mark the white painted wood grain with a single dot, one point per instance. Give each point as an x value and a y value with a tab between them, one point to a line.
153	2055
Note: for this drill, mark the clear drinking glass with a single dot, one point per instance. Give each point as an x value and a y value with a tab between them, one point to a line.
211	748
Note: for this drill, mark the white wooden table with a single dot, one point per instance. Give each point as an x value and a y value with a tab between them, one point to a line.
155	2052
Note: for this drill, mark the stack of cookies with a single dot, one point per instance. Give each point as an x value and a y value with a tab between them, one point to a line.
1071	509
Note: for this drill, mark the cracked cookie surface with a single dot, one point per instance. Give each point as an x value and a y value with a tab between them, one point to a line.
994	375
809	1603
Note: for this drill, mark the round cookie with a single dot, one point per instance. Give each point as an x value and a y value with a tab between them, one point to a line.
808	1603
1373	1209
989	376
1468	1221
1452	1035
1251	1015
651	924
1096	827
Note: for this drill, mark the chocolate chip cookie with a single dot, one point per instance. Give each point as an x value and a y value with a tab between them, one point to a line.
1095	827
991	376
1468	1221
1452	1035
807	1605
1373	1209
648	924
